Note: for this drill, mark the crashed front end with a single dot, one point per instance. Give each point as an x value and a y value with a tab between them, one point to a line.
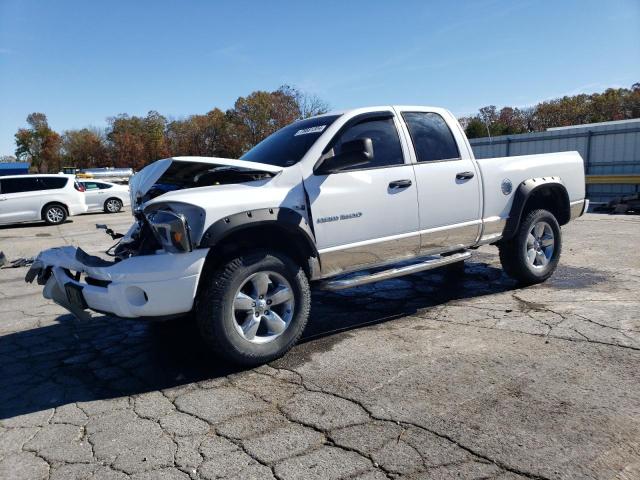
156	265
133	288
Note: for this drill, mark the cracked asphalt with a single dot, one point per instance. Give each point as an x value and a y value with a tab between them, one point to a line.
433	376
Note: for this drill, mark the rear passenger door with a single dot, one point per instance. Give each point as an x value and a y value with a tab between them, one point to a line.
447	180
20	199
93	195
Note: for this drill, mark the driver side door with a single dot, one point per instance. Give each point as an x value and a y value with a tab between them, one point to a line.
366	215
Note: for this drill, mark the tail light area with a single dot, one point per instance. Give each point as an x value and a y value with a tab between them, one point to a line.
79	187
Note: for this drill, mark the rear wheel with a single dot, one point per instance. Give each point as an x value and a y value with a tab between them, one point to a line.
532	255
54	214
113	205
254	308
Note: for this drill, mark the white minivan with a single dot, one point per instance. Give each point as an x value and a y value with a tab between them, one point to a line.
29	198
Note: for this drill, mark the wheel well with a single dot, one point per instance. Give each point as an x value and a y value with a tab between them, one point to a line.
289	241
60	204
553	198
546	193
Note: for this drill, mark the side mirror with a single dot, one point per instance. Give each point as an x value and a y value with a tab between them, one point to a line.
352	154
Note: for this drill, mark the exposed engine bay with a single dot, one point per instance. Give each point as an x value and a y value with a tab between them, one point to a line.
181	175
147	235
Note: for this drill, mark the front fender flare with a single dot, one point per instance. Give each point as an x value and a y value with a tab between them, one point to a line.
283	217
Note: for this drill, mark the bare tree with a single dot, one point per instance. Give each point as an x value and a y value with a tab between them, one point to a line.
309	104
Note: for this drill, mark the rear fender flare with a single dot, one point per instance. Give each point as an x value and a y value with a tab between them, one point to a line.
525	191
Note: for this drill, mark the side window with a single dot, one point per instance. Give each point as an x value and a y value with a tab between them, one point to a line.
52	183
104	186
384	137
91	186
19	185
431	137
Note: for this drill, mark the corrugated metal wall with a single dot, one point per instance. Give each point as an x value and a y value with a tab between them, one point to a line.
607	149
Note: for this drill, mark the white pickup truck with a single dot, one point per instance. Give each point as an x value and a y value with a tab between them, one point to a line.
337	200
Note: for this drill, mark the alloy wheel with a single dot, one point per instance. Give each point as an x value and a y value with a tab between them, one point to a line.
263	307
540	245
55	214
113	206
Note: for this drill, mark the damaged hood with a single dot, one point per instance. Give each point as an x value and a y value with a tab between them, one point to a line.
152	174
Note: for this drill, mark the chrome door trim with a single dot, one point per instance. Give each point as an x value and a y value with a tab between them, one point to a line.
383	251
492	229
449	237
368	253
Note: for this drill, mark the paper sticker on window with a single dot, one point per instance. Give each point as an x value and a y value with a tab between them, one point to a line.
304	131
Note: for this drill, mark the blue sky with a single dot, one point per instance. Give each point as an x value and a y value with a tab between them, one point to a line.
83	61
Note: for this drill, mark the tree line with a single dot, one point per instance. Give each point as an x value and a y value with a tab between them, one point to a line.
612	104
135	141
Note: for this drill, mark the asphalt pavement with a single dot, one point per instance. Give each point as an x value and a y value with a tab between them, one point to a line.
432	376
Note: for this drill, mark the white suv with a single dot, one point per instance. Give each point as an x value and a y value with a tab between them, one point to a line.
29	198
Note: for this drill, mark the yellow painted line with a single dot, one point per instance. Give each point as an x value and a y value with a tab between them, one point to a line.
618	179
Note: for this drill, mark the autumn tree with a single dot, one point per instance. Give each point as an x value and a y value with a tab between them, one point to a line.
154	126
612	104
475	128
85	148
258	115
201	135
126	141
39	144
137	141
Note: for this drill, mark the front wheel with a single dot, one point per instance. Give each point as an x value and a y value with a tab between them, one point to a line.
254	308
532	255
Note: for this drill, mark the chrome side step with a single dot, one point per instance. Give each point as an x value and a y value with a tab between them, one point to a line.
357	280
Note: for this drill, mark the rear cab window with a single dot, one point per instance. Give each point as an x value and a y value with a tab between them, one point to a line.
431	137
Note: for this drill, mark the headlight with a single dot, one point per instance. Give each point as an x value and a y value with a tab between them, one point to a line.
171	230
177	226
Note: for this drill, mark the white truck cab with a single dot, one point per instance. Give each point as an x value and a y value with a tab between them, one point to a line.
337	201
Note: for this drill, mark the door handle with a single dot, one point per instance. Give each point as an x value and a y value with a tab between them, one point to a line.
464	175
396	184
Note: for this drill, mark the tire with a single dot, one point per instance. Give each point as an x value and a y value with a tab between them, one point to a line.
538	236
54	214
113	205
229	305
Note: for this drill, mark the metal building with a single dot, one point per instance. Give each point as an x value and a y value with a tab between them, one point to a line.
14	168
611	153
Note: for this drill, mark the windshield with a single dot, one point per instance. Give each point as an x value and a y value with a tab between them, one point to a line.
289	144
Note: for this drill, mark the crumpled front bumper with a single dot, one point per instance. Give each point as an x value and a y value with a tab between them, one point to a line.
160	285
